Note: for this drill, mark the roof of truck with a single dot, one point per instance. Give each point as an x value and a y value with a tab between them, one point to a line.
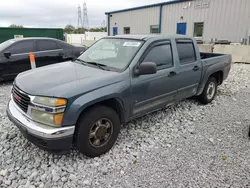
150	36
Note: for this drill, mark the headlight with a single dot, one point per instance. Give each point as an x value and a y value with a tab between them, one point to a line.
54	120
47	101
48	111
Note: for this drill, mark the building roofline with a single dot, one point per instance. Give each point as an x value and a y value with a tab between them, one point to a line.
146	6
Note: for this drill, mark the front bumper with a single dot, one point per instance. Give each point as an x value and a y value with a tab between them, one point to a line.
49	138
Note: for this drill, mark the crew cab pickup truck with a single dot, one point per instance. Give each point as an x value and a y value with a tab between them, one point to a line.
83	103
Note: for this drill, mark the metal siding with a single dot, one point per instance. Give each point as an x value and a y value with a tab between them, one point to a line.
224	19
139	21
146	6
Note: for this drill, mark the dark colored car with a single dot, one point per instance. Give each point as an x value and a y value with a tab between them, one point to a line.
14	54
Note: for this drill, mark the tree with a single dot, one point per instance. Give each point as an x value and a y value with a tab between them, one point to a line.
80	31
69	29
16	26
101	29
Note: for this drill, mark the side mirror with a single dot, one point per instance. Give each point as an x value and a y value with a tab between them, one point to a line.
146	68
7	54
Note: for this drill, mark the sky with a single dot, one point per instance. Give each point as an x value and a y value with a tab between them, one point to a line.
59	13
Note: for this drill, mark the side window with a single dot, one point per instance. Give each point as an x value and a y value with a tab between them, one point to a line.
22	47
186	51
161	55
43	45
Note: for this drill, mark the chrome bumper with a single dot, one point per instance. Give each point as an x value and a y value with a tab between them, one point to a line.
17	116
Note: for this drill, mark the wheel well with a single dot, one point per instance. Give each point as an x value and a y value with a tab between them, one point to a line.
113	103
218	76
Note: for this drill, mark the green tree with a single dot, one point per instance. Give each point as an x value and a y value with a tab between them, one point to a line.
101	29
16	26
80	31
69	29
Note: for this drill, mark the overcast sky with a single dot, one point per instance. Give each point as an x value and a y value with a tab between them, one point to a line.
58	13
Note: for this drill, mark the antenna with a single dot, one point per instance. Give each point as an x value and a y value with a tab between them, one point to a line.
79	19
85	16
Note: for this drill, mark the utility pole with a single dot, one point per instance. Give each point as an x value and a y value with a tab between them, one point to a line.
79	19
85	17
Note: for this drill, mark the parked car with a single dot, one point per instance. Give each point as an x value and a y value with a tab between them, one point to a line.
14	54
83	103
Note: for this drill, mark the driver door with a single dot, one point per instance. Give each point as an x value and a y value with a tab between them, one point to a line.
150	92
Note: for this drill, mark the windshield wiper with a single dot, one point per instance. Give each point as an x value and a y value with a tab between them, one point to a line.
99	65
80	60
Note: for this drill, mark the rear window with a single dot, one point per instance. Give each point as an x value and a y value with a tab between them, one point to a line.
186	51
46	45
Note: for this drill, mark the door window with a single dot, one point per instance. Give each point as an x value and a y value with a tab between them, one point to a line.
21	47
46	45
186	51
161	55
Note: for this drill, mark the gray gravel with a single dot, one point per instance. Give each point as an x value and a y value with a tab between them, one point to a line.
185	145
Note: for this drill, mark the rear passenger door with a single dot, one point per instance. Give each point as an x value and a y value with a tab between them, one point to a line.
150	92
189	71
48	52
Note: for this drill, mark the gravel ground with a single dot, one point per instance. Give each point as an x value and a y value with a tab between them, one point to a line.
186	145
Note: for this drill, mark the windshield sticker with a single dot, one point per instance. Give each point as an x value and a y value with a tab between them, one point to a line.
133	44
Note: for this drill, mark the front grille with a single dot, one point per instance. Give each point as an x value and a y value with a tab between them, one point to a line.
21	99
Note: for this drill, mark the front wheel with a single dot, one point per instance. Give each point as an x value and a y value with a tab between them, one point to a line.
209	91
97	131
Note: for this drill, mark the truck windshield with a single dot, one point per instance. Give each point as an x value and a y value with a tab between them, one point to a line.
113	53
6	44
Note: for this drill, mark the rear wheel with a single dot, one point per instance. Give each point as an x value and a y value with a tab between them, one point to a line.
97	131
209	91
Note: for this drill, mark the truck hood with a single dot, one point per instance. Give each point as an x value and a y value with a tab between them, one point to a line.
62	79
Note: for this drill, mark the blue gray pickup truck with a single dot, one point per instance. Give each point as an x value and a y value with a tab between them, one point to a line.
82	103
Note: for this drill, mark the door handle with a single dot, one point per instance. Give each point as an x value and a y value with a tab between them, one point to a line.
171	74
196	68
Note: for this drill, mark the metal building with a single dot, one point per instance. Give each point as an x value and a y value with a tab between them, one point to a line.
207	20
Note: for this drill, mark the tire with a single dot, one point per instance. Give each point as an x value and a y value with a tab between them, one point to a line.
91	128
209	91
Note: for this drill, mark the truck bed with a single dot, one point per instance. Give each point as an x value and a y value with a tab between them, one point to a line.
209	55
212	63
